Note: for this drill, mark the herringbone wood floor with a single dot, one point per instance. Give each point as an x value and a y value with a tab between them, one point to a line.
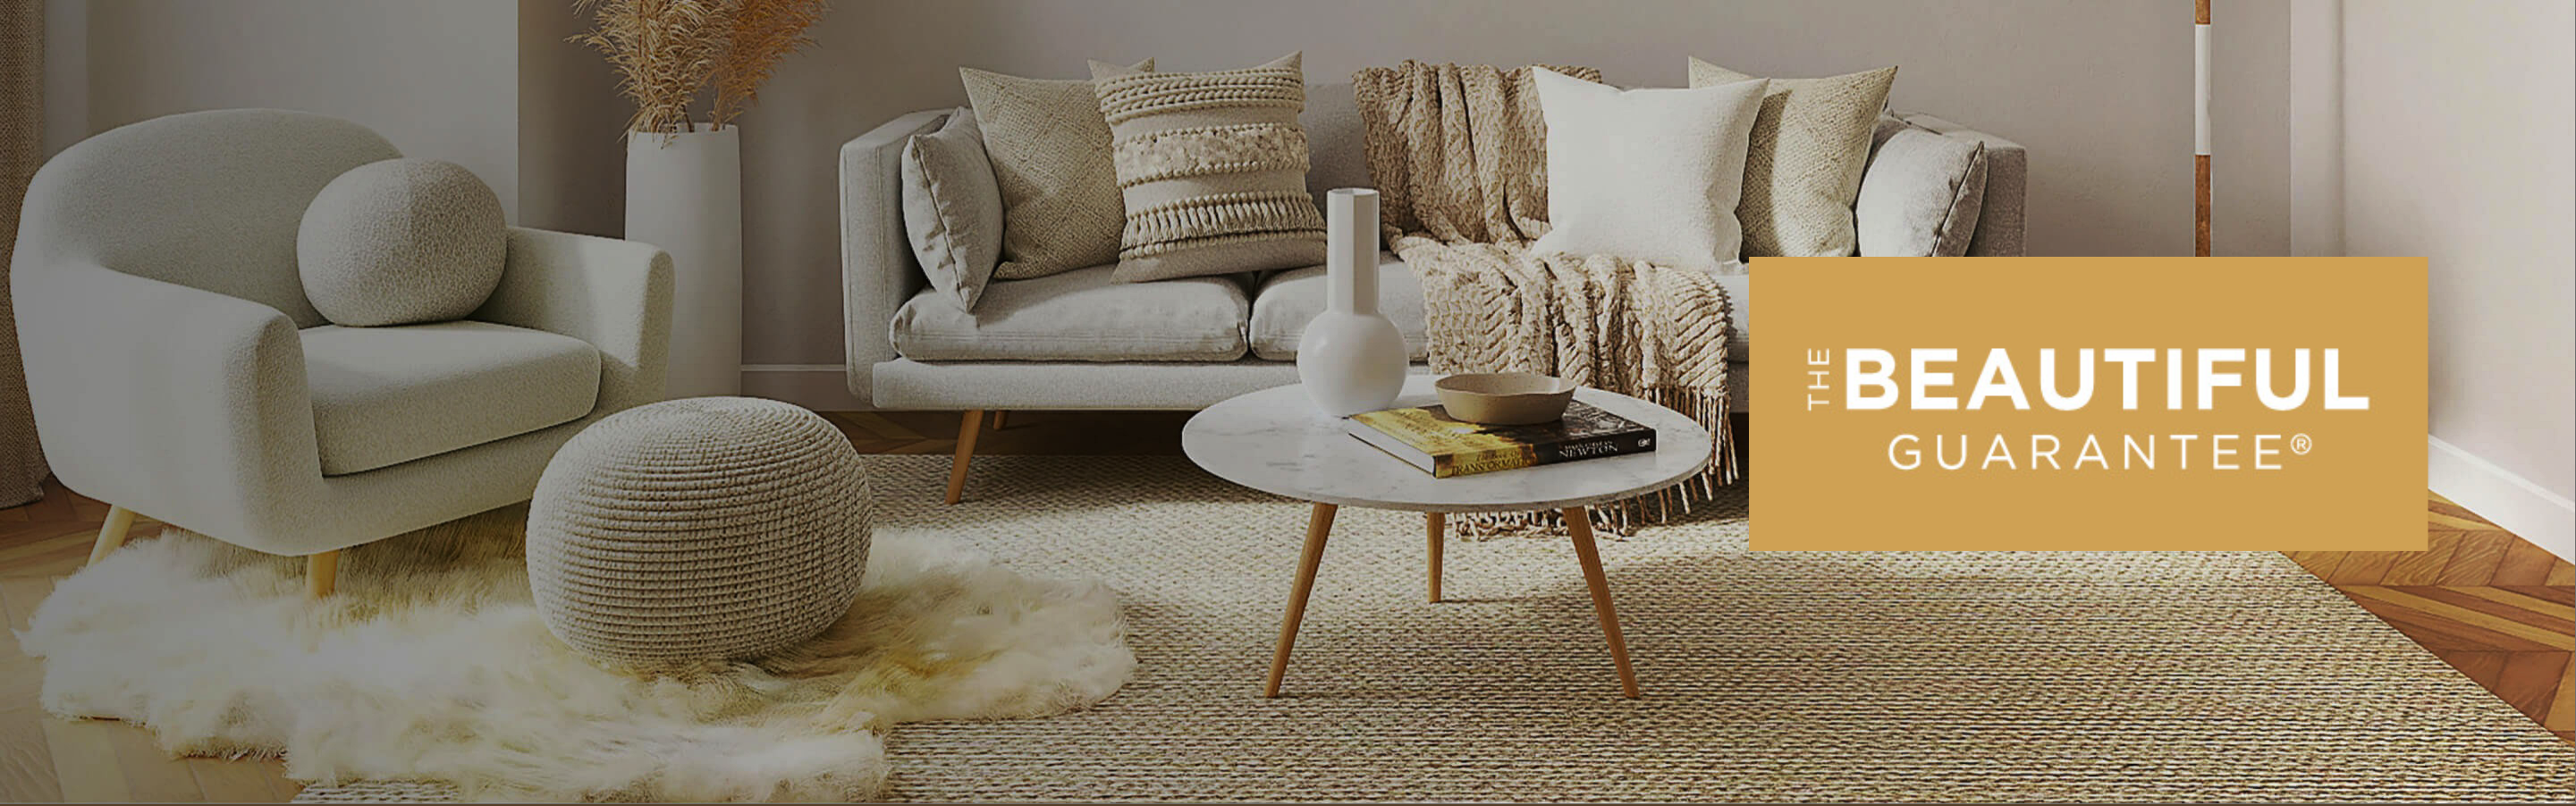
2500	609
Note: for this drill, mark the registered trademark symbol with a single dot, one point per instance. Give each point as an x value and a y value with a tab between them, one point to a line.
2300	444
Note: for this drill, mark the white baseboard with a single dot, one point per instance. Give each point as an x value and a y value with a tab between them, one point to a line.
821	387
2496	494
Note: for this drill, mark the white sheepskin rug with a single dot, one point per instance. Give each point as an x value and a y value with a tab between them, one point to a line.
430	664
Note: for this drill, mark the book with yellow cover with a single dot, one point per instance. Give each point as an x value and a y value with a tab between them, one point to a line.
1428	438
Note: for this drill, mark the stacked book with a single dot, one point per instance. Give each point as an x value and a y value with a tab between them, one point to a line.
1428	438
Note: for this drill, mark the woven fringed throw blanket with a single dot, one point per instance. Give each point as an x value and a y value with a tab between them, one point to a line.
1459	157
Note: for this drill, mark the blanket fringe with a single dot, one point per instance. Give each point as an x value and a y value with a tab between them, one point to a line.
1621	519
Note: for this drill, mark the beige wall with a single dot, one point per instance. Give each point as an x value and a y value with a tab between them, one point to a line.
572	158
2459	133
2099	91
66	73
439	79
2316	127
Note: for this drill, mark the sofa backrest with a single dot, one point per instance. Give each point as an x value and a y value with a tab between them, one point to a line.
1336	157
209	200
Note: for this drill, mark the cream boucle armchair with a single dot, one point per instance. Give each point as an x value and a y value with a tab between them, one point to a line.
178	371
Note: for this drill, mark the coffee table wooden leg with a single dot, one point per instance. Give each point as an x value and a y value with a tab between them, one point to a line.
1578	524
1317	527
1434	522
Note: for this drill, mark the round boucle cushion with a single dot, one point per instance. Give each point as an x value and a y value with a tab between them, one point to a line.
700	529
401	241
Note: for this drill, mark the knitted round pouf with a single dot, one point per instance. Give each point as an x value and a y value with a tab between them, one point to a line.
700	529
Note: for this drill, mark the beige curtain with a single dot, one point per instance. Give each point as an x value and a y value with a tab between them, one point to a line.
22	60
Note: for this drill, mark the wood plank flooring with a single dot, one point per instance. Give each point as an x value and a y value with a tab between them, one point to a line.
2498	608
2495	606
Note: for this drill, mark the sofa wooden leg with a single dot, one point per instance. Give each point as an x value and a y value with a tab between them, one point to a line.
112	535
967	427
997	420
321	574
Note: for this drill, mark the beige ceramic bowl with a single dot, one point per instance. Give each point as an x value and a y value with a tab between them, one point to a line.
1505	398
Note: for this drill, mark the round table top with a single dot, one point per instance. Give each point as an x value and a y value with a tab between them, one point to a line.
1275	441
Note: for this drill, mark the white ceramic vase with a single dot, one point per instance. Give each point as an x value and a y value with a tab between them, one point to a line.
1351	359
684	194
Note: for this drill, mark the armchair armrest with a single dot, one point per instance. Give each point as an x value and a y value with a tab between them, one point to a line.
149	391
878	271
614	294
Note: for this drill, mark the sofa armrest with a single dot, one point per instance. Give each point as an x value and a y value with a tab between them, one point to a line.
1999	219
878	271
182	402
614	294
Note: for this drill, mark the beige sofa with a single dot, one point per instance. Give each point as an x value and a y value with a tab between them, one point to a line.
1079	341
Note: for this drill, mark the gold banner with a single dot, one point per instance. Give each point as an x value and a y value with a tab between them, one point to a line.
2089	404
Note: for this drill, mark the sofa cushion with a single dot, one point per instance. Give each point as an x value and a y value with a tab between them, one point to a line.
1080	315
401	241
1336	157
1213	168
1049	147
952	209
1676	207
1923	195
1290	299
387	395
1802	168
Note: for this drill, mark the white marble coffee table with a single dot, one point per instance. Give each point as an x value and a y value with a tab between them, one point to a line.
1274	441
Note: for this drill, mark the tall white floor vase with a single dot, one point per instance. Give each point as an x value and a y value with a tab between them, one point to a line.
1351	358
684	194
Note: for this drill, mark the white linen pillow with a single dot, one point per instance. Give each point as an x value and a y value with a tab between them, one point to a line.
952	209
1923	195
1648	174
1803	170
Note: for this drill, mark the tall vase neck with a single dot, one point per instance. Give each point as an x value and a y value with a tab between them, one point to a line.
1350	256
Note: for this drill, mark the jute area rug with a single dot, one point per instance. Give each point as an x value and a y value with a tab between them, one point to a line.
1867	677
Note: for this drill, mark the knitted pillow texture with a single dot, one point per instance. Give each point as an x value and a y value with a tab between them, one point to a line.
399	242
952	209
1213	170
1050	153
1803	170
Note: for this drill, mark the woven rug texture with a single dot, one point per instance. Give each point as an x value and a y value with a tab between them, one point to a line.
1814	677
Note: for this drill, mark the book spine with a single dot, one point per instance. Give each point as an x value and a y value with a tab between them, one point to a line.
1595	447
1469	464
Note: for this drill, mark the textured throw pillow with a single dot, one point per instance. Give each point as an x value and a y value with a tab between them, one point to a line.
1646	174
1803	171
1922	195
1050	154
1213	168
401	241
952	209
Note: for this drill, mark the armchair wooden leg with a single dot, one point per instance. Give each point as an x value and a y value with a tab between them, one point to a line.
966	431
321	573
997	420
112	535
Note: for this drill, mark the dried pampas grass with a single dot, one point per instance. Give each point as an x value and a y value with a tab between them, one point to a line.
764	33
668	52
